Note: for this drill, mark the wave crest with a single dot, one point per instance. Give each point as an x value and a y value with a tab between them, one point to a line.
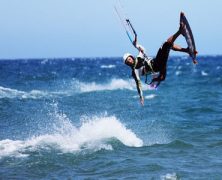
114	84
93	134
14	93
76	87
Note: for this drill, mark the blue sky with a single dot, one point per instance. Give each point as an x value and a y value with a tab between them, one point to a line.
79	28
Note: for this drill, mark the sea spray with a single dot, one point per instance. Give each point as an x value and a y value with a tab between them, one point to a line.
113	84
93	134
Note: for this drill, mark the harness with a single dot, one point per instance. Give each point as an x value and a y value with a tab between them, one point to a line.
148	67
151	68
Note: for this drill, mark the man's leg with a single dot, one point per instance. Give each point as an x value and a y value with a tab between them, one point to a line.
172	38
163	53
176	47
160	62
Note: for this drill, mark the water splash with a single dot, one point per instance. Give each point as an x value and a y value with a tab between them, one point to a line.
76	87
114	84
93	134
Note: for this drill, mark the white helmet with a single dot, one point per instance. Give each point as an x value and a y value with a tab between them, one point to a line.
125	56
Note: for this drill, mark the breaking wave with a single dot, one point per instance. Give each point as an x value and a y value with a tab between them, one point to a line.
93	134
114	84
75	87
14	93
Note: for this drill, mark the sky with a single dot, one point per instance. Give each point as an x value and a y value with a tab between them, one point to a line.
80	28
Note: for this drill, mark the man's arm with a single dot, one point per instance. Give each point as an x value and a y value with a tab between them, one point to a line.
138	46
138	86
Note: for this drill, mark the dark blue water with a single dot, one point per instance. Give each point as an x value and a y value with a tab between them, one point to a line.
81	118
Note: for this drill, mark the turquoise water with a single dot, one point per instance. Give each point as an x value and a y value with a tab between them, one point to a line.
81	119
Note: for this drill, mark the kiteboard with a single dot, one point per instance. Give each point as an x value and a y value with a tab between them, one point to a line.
187	32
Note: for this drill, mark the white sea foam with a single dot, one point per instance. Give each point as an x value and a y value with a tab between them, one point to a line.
178	73
14	93
169	176
110	66
33	94
151	96
203	73
11	148
114	84
10	93
77	87
93	134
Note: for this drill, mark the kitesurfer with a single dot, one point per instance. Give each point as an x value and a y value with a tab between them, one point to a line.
143	65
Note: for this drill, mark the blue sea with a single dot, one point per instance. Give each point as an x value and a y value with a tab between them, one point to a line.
80	118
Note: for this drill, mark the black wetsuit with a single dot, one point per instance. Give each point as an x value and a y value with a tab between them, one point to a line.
160	61
143	66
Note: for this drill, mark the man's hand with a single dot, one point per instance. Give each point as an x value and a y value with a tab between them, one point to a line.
134	43
195	61
142	101
141	50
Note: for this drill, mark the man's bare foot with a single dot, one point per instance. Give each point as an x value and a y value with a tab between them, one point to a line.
195	52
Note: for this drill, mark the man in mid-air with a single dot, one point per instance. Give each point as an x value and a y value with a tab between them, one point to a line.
142	65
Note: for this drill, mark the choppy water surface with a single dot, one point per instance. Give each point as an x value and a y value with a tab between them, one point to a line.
81	118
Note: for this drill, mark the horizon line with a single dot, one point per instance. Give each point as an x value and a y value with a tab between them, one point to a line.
95	57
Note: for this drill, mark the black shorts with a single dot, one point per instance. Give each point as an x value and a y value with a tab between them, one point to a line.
160	61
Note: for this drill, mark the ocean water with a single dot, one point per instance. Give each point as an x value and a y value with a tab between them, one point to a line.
81	119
